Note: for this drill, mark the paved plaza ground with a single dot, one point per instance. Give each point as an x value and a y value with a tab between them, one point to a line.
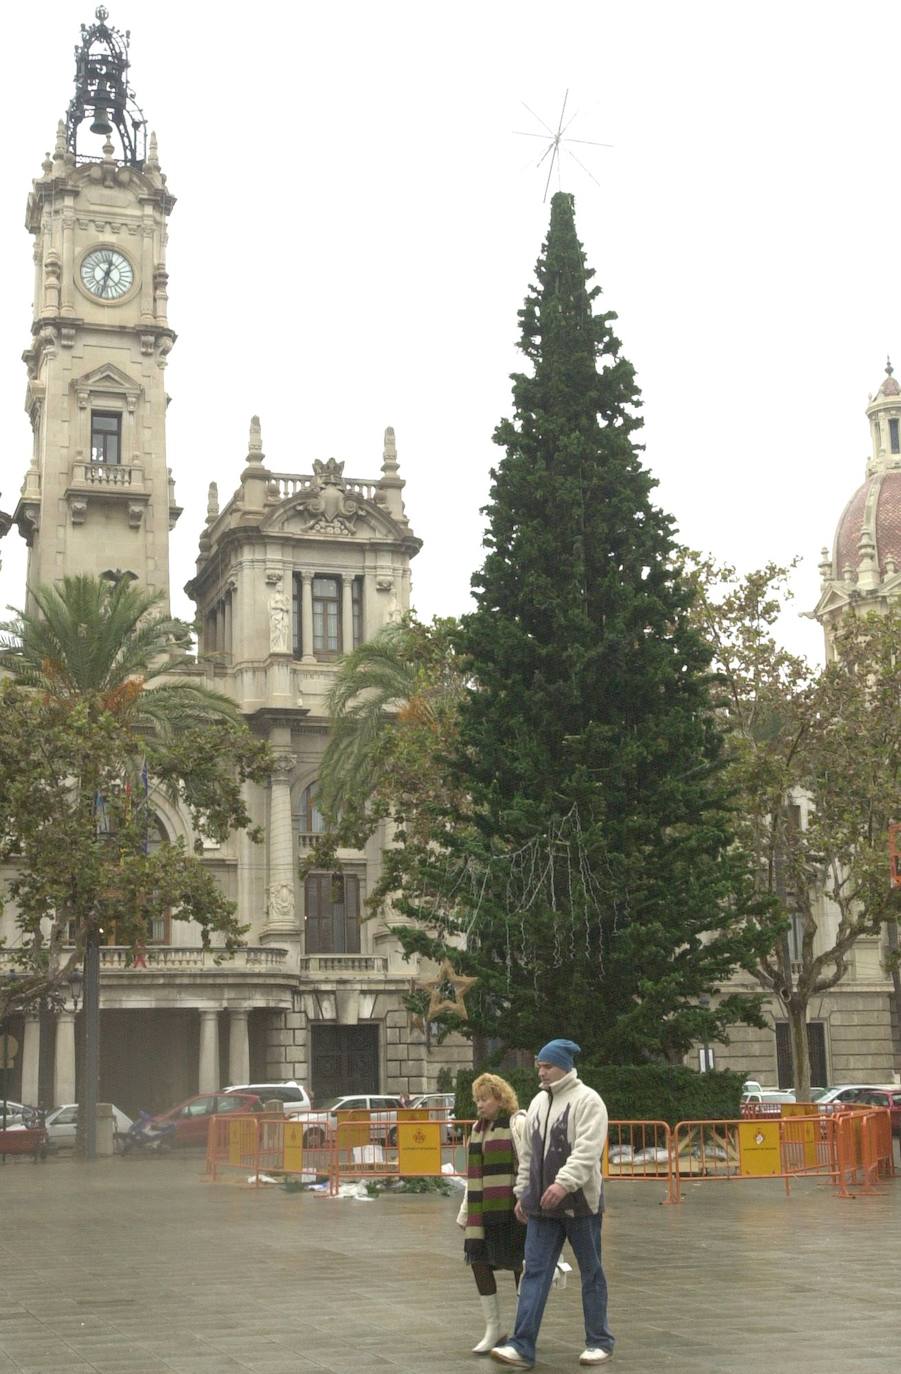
139	1266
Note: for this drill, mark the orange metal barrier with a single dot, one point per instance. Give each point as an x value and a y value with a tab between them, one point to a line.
264	1144
863	1148
851	1147
783	1147
641	1151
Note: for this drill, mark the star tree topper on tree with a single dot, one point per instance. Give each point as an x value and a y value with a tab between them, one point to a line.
438	987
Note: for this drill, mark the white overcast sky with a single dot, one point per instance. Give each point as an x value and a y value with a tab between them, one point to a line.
357	224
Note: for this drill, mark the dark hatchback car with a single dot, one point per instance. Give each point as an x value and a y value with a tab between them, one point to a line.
191	1119
888	1096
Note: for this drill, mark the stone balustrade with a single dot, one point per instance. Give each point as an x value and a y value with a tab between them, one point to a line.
284	484
344	963
107	475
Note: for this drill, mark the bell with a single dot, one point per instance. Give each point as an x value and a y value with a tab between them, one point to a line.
101	123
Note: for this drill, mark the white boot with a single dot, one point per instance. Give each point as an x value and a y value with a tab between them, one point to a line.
491	1306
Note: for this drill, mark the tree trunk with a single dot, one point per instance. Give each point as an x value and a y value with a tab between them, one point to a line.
797	1020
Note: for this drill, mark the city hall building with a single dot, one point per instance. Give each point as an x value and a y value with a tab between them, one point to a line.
294	569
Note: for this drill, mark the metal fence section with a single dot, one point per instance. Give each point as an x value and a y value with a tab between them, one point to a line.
850	1148
641	1151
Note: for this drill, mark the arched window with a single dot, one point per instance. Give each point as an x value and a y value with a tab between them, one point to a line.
332	903
311	821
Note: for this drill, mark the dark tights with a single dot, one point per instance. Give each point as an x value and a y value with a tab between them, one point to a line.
485	1280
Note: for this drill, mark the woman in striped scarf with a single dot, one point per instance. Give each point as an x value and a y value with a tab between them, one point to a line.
494	1239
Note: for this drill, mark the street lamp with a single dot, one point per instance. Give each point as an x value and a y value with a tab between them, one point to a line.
706	1065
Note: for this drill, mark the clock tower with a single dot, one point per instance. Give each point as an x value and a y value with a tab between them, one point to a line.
98	496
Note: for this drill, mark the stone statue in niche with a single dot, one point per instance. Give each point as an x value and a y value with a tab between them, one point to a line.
281	902
278	622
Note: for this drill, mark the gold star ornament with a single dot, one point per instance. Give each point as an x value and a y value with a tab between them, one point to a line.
437	989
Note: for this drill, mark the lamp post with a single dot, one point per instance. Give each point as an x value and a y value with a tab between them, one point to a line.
704	1004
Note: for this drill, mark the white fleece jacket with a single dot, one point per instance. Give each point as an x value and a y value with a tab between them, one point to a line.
566	1131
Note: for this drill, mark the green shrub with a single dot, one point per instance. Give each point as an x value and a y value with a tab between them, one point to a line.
634	1092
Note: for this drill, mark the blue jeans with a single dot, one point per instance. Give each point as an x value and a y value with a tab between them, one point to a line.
544	1242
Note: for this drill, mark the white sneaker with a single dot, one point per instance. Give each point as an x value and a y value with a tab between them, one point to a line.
595	1356
508	1354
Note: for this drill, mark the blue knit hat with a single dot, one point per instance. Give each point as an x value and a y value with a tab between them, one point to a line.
559	1052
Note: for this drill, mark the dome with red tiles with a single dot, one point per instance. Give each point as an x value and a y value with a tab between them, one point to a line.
874	509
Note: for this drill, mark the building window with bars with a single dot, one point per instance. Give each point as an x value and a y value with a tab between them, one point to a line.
894	438
332	902
326	617
106	437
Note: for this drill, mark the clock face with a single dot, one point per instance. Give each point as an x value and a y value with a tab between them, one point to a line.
107	274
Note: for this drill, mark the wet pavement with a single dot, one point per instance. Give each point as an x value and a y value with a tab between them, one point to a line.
140	1266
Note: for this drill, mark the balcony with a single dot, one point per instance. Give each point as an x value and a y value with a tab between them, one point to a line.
189	958
351	964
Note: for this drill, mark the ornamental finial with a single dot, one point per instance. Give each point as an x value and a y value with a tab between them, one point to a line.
255	442
888	366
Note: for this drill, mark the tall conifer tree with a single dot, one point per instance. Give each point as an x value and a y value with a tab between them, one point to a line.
593	873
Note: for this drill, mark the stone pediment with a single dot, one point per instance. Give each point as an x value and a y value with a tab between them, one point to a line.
834	598
332	506
110	379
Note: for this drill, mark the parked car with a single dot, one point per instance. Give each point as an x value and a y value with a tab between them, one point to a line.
191	1118
440	1107
292	1094
326	1122
15	1111
437	1102
62	1126
868	1095
771	1095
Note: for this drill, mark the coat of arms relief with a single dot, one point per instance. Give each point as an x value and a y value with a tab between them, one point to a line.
326	506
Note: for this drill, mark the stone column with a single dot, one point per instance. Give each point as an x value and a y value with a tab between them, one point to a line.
31	1060
280	918
306	617
347	615
238	1048
208	1066
64	1060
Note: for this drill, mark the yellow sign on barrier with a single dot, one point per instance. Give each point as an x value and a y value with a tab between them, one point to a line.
353	1130
419	1147
758	1143
805	1132
242	1139
292	1153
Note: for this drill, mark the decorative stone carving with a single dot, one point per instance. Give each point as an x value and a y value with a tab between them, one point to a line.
279	622
281	902
283	766
135	515
326	504
78	511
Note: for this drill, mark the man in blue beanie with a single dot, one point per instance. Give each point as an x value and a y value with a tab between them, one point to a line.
560	1195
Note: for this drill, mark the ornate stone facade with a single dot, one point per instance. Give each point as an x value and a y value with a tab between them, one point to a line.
857	1036
293	571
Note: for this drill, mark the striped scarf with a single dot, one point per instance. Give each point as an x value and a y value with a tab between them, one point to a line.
490	1175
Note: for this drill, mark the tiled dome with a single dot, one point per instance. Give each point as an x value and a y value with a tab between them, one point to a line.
877	504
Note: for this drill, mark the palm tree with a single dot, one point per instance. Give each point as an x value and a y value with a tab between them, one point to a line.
405	676
96	642
92	680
